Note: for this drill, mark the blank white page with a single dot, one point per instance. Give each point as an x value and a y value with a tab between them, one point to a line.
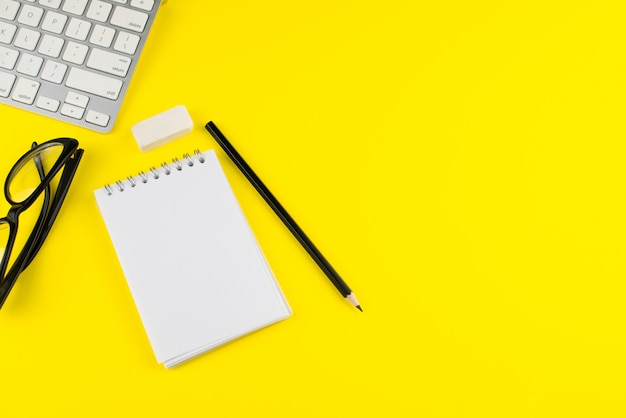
193	266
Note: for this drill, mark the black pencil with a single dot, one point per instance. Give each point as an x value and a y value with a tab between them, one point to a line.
280	211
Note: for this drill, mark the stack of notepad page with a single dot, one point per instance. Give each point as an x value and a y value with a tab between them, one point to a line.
196	273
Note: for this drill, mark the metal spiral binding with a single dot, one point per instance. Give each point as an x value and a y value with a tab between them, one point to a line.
198	154
154	173
188	159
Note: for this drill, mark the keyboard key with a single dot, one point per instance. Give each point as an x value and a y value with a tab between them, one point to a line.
97	118
54	22
51	46
146	5
129	19
126	43
50	3
29	65
109	62
78	29
99	11
8	9
47	103
72	111
75	53
53	72
77	99
102	36
30	15
25	91
27	39
6	83
76	7
7	31
8	58
90	82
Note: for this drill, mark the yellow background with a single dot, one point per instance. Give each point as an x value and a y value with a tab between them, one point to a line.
460	163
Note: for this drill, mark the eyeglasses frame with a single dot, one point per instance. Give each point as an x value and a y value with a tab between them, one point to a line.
67	161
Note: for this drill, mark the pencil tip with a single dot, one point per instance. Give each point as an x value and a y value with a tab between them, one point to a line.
359	308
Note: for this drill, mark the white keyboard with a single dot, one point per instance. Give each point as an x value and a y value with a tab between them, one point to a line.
71	59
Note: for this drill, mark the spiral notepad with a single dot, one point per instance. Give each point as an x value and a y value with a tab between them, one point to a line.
195	271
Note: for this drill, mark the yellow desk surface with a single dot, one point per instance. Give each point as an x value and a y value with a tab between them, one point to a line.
461	164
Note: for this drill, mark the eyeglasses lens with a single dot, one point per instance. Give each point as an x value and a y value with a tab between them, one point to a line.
25	178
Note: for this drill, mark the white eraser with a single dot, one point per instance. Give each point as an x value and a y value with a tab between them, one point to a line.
162	128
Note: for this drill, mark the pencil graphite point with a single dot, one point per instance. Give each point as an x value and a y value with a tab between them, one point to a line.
352	299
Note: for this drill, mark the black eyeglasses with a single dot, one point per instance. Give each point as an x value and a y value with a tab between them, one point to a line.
39	179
